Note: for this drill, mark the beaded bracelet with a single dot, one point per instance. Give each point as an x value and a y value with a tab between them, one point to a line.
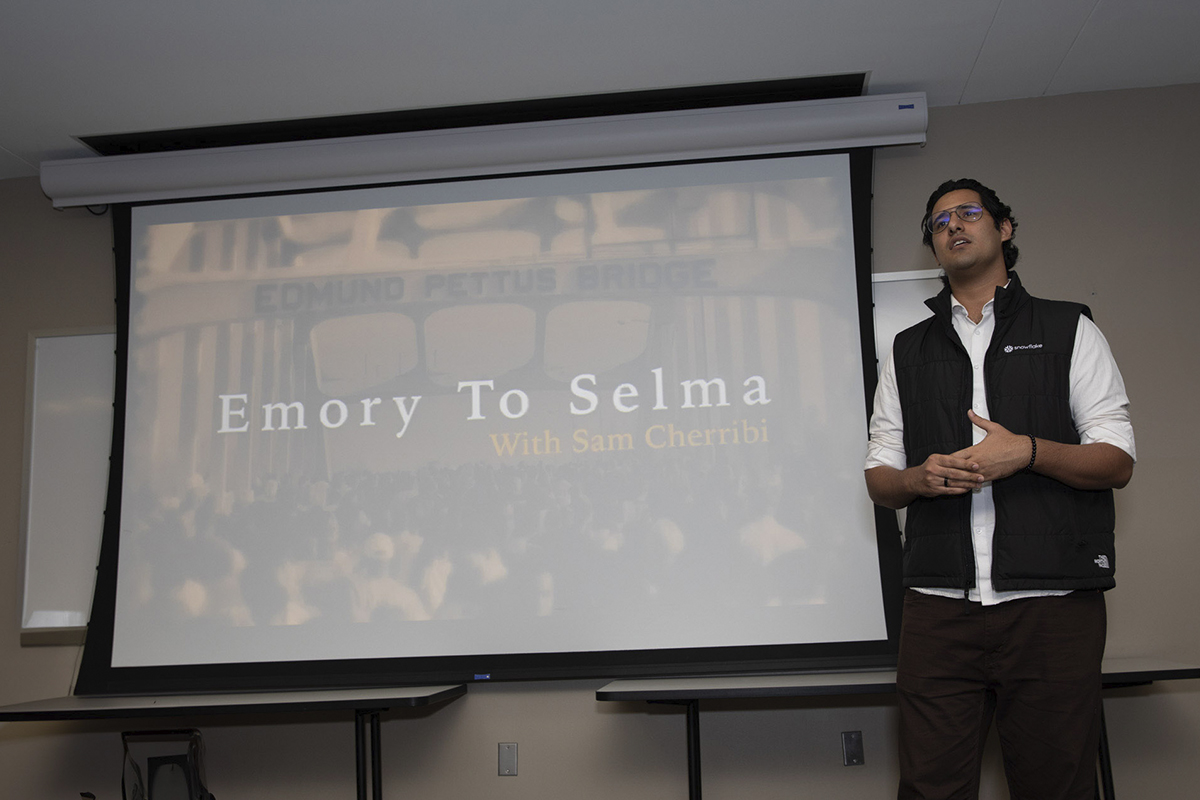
1032	452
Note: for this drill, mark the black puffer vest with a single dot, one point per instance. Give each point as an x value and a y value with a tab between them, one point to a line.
1048	535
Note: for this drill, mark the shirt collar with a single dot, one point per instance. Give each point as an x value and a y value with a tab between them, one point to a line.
958	308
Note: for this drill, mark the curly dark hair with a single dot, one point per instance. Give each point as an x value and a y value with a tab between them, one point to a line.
992	204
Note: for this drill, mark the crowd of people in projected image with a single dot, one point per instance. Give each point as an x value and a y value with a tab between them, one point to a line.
476	540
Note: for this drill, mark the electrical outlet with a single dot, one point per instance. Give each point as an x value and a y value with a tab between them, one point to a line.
852	749
508	758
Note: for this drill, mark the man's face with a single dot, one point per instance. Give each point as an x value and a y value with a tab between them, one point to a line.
965	246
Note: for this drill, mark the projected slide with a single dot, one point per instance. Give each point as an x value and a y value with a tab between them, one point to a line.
616	410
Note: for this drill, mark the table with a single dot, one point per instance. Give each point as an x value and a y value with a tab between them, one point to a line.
366	703
1117	672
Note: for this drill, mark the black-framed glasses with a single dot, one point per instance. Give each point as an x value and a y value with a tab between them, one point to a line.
967	212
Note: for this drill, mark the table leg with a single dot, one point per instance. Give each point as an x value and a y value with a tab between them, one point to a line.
363	718
360	753
376	759
693	749
693	742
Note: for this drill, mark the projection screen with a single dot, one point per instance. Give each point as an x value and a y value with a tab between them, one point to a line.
590	423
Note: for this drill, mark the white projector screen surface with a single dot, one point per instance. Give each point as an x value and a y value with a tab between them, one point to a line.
599	411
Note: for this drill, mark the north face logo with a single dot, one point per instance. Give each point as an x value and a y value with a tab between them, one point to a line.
1101	562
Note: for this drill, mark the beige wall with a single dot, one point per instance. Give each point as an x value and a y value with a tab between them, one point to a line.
1100	186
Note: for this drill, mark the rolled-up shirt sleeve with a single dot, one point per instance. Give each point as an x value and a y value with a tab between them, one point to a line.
885	447
1099	405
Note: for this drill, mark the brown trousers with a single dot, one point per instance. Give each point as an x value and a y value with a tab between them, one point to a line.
1033	665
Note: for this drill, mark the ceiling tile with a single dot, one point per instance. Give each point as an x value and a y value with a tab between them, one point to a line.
1129	44
78	68
13	167
1024	47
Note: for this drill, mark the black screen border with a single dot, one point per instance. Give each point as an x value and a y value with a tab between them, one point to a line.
97	676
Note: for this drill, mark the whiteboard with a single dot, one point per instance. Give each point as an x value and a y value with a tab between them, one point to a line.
69	405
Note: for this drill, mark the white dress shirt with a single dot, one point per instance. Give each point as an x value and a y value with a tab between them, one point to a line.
1099	409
